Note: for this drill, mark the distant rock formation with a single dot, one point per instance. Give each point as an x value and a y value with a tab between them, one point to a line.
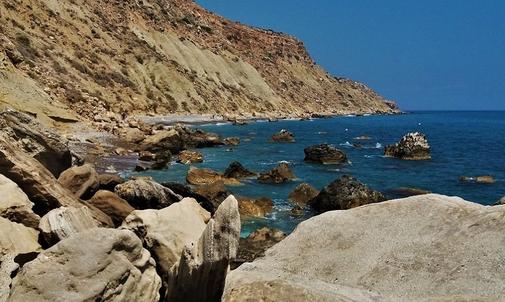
413	146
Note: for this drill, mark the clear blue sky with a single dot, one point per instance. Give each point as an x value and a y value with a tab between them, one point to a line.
431	54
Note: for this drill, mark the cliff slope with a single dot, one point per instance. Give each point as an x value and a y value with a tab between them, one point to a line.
74	59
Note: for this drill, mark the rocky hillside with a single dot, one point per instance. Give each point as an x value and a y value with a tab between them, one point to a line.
70	59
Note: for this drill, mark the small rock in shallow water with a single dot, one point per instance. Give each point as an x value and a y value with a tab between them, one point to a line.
204	176
324	154
238	171
413	146
302	194
254	208
232	141
483	179
281	173
283	136
188	157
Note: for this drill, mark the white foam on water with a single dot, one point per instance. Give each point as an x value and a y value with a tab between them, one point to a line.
346	144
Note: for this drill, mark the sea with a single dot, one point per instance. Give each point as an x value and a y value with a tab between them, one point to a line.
462	144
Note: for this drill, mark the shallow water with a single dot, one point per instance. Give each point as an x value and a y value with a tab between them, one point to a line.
463	143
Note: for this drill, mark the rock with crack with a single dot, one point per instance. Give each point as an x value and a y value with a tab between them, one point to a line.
15	205
422	248
95	265
82	181
111	204
64	222
166	232
146	194
201	272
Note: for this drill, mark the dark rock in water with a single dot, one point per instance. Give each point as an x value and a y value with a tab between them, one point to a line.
187	191
345	193
483	179
324	154
236	170
281	173
302	194
82	181
214	192
109	181
111	204
232	141
254	208
142	166
146	194
161	160
283	136
155	161
197	138
239	122
296	211
146	156
406	192
255	245
36	140
413	146
188	157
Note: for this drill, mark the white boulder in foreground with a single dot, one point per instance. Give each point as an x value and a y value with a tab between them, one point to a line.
422	248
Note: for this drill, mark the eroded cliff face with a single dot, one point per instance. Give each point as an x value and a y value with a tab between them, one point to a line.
68	58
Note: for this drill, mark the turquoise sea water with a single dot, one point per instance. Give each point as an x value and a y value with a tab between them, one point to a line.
463	143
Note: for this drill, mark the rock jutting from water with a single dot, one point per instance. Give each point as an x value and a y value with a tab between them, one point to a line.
188	157
482	179
283	136
302	194
280	174
238	171
413	146
324	154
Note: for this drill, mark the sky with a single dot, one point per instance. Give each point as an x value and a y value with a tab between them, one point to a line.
426	55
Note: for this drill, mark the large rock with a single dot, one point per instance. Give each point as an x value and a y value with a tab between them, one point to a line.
237	170
344	193
164	140
197	138
422	248
254	208
187	191
82	181
188	157
146	194
302	194
281	173
205	176
95	265
167	231
15	205
413	146
37	182
38	141
112	205
109	181
255	245
64	222
283	136
201	272
324	154
215	192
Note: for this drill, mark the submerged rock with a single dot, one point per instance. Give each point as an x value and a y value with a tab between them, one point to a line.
281	173
236	170
15	205
254	208
413	146
255	245
302	194
112	205
345	193
188	157
324	154
94	265
82	181
283	136
146	194
420	248
483	179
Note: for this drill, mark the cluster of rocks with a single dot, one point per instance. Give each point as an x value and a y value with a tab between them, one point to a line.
70	233
413	146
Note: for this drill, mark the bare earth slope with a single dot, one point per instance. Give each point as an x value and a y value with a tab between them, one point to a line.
66	58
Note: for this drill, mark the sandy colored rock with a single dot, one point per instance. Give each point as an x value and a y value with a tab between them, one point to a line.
132	135
232	141
112	205
164	140
188	157
109	181
65	222
82	181
215	192
117	268
205	176
302	194
254	208
146	194
201	272
421	248
281	173
412	146
15	205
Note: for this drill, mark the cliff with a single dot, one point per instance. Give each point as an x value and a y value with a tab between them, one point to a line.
74	59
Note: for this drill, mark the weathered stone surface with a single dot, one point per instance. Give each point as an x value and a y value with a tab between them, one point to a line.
64	222
302	194
188	157
109	181
146	194
205	176
187	191
201	272
38	141
112	205
237	170
344	193
422	248
232	141
95	265
482	179
254	208
197	138
324	154
281	173
167	231
413	146
132	135
15	205
164	140
283	136
82	181
215	192
38	183
255	245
